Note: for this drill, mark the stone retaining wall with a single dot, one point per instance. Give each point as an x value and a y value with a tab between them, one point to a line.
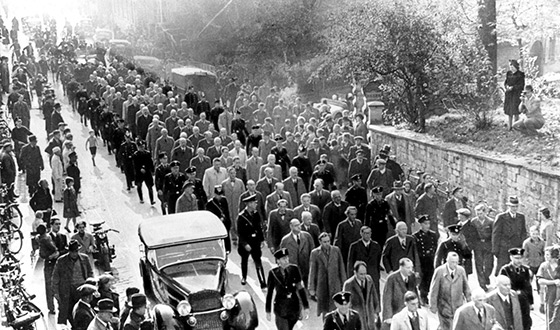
483	176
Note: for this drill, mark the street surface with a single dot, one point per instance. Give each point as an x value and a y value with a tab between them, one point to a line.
104	197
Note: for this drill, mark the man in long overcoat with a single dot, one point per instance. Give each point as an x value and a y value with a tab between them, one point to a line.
368	251
509	231
65	283
326	274
299	245
32	162
397	284
401	207
365	299
449	290
347	232
294	186
400	246
278	224
233	188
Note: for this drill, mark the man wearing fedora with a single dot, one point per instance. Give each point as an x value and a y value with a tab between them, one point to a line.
401	207
138	312
70	272
456	202
83	314
102	321
509	231
359	166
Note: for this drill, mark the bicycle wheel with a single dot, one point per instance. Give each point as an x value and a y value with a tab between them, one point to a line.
15	216
16	242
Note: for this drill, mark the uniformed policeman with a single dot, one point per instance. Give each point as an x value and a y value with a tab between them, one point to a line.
250	238
426	243
144	171
126	151
198	187
342	318
173	186
454	244
161	171
356	196
290	292
281	154
138	312
520	277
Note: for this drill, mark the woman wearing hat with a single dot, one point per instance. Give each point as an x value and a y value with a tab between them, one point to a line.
57	174
514	84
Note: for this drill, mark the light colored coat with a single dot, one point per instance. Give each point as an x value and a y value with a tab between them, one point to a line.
213	178
57	176
232	193
368	307
163	144
242	154
401	320
326	277
253	168
449	294
466	318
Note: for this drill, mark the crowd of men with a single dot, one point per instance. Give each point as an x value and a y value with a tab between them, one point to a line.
296	177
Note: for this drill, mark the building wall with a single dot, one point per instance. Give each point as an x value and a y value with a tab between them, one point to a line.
482	176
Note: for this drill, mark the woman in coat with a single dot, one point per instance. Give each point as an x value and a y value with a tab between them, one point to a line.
514	84
57	174
326	274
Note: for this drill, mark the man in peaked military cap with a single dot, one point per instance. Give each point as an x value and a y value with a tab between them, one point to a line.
342	318
173	186
198	187
426	244
356	195
454	244
520	277
290	292
251	239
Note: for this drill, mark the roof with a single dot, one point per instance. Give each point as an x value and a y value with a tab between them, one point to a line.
191	71
180	228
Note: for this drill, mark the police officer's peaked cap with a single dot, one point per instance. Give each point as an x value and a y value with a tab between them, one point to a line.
190	169
252	198
516	251
342	297
175	163
281	253
423	218
455	229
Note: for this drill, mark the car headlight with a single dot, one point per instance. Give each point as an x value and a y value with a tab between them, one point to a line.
228	301
184	308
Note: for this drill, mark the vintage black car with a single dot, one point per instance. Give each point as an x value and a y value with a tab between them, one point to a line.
183	267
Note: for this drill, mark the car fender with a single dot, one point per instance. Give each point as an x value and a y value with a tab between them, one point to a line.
244	314
164	318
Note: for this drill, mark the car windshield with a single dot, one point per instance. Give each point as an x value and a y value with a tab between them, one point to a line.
196	276
190	251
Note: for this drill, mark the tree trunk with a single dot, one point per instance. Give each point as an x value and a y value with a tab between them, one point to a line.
487	30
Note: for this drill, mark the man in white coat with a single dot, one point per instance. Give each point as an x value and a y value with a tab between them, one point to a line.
411	316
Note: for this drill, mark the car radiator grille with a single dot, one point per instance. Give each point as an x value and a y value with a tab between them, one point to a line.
210	321
205	300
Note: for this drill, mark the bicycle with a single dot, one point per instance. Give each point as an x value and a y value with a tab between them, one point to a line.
9	211
21	313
